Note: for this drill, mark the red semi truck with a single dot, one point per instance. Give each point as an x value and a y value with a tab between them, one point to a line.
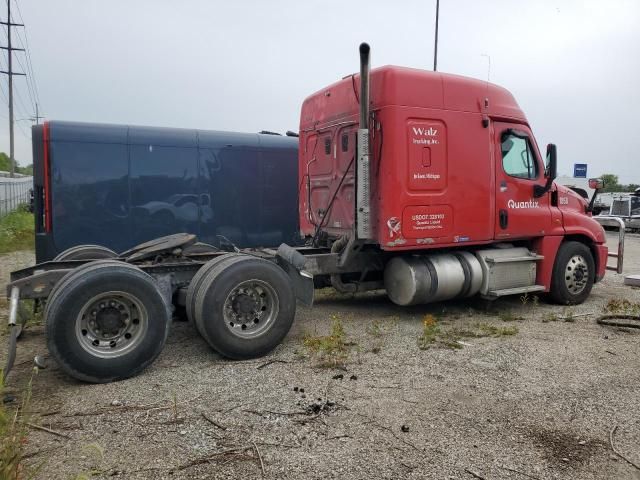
430	186
451	190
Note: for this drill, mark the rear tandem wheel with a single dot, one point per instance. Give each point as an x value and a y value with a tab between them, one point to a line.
243	306
106	321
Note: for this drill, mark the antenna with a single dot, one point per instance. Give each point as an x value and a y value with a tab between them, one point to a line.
435	47
488	67
486	100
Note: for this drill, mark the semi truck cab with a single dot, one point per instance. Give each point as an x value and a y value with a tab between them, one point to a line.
452	167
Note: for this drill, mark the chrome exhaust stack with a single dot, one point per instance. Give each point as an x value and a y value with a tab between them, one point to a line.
364	85
363	198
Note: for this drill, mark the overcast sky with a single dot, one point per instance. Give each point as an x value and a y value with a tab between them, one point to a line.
574	66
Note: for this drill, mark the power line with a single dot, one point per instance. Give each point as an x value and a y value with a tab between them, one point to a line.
28	73
22	131
30	84
10	74
25	110
4	95
29	90
28	55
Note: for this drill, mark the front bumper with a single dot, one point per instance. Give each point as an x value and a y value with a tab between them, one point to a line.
602	253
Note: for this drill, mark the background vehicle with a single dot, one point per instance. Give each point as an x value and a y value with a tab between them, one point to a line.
432	188
627	208
118	186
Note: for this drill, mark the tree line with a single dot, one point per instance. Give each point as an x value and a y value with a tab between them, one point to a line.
612	184
5	165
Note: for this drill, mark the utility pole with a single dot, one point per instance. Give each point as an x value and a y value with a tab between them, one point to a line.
10	73
37	117
435	50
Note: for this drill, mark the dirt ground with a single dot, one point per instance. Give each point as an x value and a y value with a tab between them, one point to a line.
540	404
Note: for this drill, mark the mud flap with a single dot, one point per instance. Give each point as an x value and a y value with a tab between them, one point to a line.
292	262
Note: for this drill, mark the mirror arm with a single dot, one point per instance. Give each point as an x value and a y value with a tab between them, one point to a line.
539	191
593	200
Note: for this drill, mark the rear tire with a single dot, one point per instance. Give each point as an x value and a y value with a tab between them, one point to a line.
106	321
245	307
85	252
190	303
573	274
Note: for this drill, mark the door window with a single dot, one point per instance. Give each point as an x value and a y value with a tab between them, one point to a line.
518	159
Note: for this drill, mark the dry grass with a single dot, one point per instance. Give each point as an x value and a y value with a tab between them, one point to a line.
14	426
622	306
450	337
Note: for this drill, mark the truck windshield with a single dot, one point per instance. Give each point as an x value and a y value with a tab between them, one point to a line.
635	206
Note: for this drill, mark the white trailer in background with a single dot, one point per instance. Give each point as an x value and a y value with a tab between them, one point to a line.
627	208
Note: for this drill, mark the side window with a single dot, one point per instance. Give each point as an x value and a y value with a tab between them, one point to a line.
635	205
518	159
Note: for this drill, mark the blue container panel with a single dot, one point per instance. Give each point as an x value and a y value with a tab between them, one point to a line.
89	194
119	186
164	191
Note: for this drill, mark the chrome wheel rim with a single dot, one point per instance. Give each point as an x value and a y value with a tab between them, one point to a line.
250	308
111	324
576	274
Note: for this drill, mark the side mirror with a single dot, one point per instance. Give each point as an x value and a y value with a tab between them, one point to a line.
552	162
596	183
551	171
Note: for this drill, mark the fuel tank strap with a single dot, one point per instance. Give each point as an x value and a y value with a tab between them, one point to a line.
466	268
433	289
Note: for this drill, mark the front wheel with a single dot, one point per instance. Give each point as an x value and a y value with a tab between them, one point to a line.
573	274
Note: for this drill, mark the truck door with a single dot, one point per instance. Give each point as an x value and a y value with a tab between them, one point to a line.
518	168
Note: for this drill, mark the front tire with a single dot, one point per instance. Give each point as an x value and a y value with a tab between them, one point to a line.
573	274
244	307
106	321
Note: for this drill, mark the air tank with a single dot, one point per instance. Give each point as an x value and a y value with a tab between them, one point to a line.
418	279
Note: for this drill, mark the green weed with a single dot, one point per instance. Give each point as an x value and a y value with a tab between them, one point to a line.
489	330
430	331
331	351
17	231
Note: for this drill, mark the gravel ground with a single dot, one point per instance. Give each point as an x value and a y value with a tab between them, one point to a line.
540	404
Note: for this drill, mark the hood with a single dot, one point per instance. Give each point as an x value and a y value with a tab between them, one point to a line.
575	218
